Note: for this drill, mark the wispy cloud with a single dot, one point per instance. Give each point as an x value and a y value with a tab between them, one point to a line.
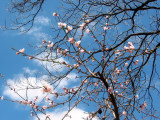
37	31
41	20
50	65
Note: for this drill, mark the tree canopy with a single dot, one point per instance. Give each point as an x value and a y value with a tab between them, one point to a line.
111	45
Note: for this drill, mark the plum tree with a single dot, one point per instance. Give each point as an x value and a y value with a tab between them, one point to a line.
113	46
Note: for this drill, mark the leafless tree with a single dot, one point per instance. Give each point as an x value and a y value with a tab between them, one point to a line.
113	45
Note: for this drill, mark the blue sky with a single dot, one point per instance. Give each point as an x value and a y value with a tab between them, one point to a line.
14	66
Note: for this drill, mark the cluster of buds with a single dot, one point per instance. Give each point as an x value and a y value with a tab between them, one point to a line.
47	89
50	44
71	40
55	14
130	48
66	90
75	65
136	62
72	90
20	51
118	71
124	113
88	31
64	25
143	106
106	28
82	26
77	44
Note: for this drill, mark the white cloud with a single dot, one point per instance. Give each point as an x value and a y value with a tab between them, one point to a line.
41	20
69	80
58	114
34	30
38	34
50	65
26	87
30	87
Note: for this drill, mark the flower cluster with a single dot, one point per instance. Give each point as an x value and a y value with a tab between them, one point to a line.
64	25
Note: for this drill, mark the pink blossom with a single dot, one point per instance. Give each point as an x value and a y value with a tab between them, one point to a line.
126	64
110	90
56	95
32	114
22	50
127	82
107	17
2	98
30	57
135	63
47	88
117	52
118	71
29	102
50	45
66	90
82	26
106	49
63	62
93	60
120	95
105	28
71	40
69	28
51	103
54	14
106	24
60	24
58	51
145	104
131	47
35	106
142	107
44	42
121	86
96	83
73	90
49	42
47	98
25	103
81	51
44	107
64	25
88	31
126	48
65	51
76	65
77	43
17	53
124	113
87	21
137	96
130	44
